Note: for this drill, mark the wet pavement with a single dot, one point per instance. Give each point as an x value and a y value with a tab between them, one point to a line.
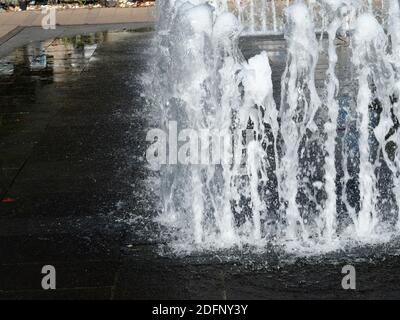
25	35
75	192
66	121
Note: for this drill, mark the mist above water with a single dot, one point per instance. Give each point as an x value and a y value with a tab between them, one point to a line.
309	172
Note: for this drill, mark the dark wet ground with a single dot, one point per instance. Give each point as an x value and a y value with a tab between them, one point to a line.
75	192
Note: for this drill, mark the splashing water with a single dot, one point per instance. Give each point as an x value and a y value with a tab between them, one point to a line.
267	16
309	173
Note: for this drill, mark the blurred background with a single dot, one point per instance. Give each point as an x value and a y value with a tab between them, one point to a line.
21	5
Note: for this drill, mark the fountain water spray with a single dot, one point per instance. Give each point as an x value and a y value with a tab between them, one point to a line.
286	162
298	109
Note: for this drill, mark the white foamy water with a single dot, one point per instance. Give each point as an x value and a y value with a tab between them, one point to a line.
292	179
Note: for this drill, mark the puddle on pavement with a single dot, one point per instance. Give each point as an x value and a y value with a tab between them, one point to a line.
51	60
29	76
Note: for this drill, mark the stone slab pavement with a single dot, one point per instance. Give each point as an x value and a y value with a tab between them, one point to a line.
10	21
